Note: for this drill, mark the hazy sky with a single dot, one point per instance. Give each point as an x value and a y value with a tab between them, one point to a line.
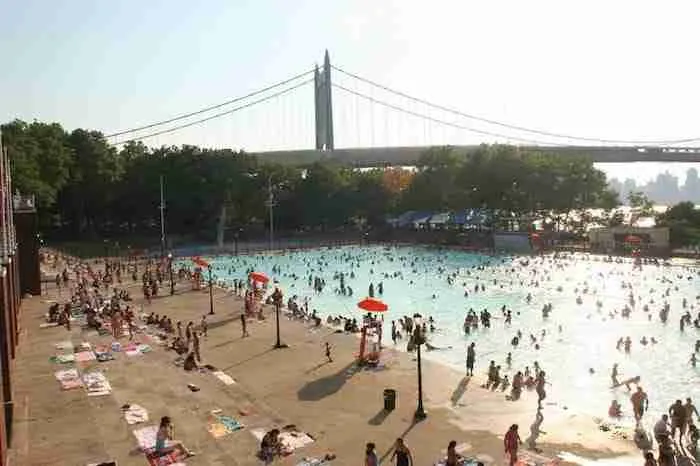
609	69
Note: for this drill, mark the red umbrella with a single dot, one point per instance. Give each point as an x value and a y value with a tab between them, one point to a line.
259	277
632	239
373	305
200	262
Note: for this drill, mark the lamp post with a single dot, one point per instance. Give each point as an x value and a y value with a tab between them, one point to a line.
270	204
277	300
170	266
419	339
211	292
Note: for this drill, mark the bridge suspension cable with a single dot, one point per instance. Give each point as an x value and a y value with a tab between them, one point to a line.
444	122
217	115
212	107
512	126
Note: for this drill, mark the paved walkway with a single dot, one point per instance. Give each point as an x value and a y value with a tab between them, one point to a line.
341	409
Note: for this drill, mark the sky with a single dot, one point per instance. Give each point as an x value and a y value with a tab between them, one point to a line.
602	69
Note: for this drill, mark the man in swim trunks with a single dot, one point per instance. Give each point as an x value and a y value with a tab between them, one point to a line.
640	402
677	414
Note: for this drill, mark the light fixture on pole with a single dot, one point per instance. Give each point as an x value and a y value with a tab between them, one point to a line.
270	204
277	298
170	267
211	292
418	340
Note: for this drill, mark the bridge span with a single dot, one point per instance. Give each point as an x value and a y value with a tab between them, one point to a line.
396	156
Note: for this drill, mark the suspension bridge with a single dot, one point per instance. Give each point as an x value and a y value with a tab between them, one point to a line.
359	122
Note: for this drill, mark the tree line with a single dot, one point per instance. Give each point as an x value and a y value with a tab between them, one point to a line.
87	188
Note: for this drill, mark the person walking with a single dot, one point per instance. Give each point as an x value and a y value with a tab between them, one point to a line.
244	327
371	455
471	357
511	441
402	454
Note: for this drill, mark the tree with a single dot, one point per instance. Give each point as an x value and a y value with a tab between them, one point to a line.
683	221
40	159
641	206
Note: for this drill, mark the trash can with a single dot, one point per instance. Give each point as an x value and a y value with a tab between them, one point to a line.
389	399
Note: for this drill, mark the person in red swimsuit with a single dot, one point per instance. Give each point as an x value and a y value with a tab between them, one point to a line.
511	442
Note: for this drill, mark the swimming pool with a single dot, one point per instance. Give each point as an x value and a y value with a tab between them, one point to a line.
415	280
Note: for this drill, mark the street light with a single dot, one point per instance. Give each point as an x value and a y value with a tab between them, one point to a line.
211	292
277	301
418	340
170	266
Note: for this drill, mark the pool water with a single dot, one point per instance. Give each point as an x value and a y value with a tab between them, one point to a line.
415	280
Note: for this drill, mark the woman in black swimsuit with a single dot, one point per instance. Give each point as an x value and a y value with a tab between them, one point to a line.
402	454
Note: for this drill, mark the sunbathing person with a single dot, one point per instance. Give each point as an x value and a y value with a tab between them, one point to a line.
164	439
270	446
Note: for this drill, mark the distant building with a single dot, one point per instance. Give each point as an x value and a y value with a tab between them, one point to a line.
654	240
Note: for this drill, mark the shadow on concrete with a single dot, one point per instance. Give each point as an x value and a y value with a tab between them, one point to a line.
255	356
459	390
326	386
222	322
379	418
317	366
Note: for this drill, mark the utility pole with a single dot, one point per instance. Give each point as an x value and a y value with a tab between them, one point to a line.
162	218
270	204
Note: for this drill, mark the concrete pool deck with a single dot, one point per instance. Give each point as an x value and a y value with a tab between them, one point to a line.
341	408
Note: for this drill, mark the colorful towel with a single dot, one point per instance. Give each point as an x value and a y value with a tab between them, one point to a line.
85	356
48	325
96	384
174	458
64	358
223	425
69	379
313	462
290	440
146	437
135	414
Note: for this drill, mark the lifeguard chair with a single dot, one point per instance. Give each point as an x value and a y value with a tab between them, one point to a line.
371	332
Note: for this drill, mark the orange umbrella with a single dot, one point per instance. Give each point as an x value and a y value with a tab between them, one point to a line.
200	262
259	277
373	305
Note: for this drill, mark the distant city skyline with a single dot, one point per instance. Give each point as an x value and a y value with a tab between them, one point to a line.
665	188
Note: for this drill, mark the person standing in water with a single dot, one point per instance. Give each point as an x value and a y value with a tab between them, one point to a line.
613	376
640	402
471	357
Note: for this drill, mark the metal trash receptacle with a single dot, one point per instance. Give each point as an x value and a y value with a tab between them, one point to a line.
389	399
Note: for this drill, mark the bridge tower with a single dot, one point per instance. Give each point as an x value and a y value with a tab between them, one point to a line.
323	105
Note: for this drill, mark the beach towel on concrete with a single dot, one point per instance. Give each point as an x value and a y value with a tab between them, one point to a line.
85	356
174	458
96	384
69	379
313	462
48	325
222	425
290	439
224	377
530	458
65	358
146	437
135	414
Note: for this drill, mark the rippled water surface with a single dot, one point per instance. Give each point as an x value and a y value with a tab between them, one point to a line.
411	276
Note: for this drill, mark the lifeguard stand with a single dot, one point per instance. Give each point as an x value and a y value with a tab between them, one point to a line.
370	351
